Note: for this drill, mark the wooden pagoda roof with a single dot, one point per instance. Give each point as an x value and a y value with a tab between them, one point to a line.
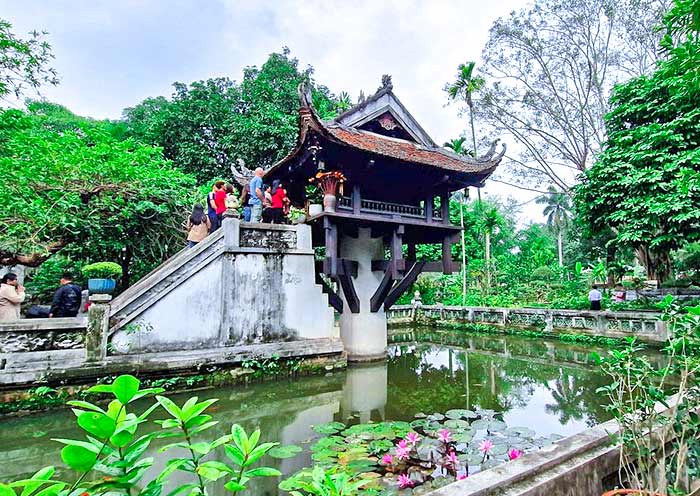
419	151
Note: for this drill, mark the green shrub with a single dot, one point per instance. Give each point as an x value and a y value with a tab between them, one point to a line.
543	273
676	283
102	270
43	282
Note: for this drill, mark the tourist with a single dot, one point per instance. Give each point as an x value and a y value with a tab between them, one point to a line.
11	297
594	296
198	226
231	198
220	202
256	195
279	202
267	204
211	206
619	294
66	300
245	196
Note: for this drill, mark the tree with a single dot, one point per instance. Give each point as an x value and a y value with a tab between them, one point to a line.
463	88
81	192
491	220
551	70
646	184
557	208
24	63
209	125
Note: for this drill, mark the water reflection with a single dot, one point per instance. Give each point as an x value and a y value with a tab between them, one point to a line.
547	386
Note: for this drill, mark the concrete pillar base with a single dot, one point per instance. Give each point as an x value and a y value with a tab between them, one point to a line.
364	334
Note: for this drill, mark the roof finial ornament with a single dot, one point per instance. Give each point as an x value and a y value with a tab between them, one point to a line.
386	82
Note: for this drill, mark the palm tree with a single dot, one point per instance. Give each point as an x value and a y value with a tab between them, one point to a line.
463	88
491	221
343	103
457	146
557	209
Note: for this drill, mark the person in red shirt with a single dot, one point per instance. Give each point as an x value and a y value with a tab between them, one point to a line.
220	200
279	201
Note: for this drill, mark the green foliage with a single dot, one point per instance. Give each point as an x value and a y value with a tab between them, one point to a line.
645	184
102	270
638	387
113	451
81	191
543	273
42	283
208	125
24	63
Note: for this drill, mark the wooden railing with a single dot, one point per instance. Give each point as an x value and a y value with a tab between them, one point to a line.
387	208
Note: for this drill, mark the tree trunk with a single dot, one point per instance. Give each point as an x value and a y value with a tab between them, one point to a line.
657	263
487	249
464	255
561	249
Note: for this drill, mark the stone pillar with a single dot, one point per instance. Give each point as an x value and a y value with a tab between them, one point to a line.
365	391
364	333
97	328
232	232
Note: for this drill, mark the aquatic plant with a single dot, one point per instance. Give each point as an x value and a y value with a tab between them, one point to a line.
110	459
426	453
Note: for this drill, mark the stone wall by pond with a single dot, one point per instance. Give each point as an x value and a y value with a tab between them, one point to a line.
247	291
644	325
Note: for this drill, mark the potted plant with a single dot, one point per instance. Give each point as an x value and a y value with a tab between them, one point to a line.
330	183
102	277
656	407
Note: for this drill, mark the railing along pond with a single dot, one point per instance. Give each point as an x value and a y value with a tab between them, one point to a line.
387	208
645	325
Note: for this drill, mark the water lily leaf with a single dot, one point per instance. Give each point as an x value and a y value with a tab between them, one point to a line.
490	463
380	445
436	416
420	423
498	449
464	436
420	415
285	451
362	465
479	424
524	432
496	425
459	413
329	427
456	424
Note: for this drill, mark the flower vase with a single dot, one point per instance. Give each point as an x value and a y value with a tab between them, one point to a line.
329	202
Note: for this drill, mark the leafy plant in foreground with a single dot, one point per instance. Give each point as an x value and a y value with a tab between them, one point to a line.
111	459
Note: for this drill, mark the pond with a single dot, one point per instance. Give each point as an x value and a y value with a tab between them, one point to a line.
546	386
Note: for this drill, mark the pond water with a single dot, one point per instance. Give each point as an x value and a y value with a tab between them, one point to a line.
546	386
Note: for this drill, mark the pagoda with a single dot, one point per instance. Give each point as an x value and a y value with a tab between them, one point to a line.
387	185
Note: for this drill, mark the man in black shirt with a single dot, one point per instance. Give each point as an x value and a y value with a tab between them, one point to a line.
66	300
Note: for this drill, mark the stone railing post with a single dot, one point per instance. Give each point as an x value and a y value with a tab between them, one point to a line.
97	328
416	304
601	323
548	321
232	231
303	237
505	317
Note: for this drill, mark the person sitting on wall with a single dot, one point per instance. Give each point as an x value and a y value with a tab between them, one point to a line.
595	296
66	300
11	297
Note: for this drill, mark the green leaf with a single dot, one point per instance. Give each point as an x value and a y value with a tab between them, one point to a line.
171	467
258	453
85	405
196	409
170	407
240	437
263	472
78	458
125	388
96	423
234	486
82	444
235	454
289	451
329	427
101	388
6	490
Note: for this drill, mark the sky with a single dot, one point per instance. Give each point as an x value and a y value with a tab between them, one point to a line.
113	54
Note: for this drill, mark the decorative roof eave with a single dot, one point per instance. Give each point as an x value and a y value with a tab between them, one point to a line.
393	148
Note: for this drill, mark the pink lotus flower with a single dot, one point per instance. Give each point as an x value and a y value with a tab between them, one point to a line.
452	460
387	459
462	476
402	453
486	446
514	454
403	444
405	481
412	438
444	436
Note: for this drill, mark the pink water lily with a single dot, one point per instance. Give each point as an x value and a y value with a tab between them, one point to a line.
403	444
444	436
404	481
452	460
514	454
486	446
402	453
412	438
462	476
387	459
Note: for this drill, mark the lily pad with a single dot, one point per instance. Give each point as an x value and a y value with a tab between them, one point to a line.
456	424
285	451
419	423
329	427
436	416
525	432
460	414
